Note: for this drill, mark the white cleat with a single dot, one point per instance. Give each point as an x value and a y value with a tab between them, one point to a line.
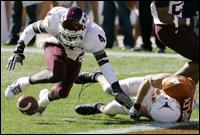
43	102
12	90
17	86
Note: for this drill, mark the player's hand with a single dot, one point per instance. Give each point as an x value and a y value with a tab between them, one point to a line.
18	57
134	113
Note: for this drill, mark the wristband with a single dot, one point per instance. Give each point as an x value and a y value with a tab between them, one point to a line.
19	47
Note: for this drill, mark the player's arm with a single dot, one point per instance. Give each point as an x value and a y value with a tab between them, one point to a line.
29	32
162	8
149	81
144	112
108	72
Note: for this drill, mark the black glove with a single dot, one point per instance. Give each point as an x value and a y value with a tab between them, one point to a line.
134	111
17	57
120	96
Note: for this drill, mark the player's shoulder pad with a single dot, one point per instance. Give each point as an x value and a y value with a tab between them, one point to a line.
53	17
95	37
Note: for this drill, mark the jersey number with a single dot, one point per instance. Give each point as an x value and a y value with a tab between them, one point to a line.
177	8
101	38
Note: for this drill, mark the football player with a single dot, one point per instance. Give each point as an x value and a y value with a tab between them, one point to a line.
73	34
162	97
177	26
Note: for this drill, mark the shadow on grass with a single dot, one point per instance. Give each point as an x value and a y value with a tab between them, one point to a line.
104	120
47	123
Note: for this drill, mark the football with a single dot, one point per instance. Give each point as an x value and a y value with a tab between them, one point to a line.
27	105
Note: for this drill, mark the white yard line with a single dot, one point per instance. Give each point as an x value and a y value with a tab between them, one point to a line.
140	127
109	53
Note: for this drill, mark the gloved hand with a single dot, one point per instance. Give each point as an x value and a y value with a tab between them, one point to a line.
120	96
12	60
134	111
17	57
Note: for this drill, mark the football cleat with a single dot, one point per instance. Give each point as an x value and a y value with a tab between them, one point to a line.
16	87
12	90
43	102
87	77
88	109
40	111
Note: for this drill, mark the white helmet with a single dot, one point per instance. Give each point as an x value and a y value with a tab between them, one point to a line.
164	109
72	26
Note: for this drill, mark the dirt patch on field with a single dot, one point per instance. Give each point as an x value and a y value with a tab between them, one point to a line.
189	129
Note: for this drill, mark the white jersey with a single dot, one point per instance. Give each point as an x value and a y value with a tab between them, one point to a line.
91	43
94	40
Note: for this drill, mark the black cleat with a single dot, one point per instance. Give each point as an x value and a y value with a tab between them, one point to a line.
88	109
87	77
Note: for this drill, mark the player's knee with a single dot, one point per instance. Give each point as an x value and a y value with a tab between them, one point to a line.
53	78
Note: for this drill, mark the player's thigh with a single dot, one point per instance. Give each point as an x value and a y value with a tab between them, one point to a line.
55	57
71	74
182	40
130	85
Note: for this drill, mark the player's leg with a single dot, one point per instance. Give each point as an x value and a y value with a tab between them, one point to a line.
113	108
129	85
62	88
190	69
55	57
182	40
185	42
110	109
87	77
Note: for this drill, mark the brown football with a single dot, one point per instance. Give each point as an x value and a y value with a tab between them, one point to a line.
27	105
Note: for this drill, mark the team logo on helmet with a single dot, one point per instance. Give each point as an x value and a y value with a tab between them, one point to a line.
164	109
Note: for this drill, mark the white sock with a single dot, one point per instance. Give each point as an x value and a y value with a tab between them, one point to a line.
23	82
113	108
44	99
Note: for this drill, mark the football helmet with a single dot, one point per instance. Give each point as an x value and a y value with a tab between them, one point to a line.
72	26
164	109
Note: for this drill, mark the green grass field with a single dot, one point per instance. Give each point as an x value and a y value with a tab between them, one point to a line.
60	116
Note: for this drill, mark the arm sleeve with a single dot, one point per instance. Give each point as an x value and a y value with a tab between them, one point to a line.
110	76
31	30
106	67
